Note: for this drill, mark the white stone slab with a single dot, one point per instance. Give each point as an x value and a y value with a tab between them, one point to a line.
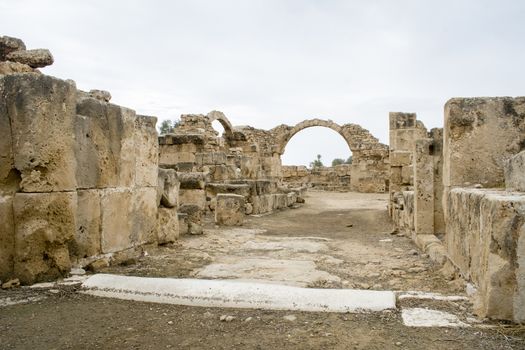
418	317
430	296
227	293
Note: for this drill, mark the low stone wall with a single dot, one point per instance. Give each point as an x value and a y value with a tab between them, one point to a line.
78	178
486	241
335	178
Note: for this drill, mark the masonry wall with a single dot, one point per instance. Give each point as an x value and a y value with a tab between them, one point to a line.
78	178
337	178
485	227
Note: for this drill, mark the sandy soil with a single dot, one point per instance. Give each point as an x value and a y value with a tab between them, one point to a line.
335	240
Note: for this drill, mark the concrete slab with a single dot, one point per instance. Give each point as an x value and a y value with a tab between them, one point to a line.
219	293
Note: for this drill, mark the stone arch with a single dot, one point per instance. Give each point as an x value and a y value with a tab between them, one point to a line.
355	136
219	116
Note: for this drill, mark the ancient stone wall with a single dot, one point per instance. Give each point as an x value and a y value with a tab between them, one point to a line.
78	175
335	178
240	162
480	229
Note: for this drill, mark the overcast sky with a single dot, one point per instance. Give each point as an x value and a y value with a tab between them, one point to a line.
268	62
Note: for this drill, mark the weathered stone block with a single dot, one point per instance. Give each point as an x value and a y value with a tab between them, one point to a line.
480	134
167	225
144	215
485	232
7	237
423	187
36	58
193	197
86	240
191	181
515	173
41	112
9	44
9	178
105	144
193	218
400	158
147	151
168	188
45	224
407	175
116	223
229	210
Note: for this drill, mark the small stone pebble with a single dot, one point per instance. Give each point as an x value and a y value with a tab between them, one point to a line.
247	319
170	322
399	343
11	284
227	318
290	318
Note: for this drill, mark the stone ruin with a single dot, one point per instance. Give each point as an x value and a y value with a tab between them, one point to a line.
459	193
334	178
87	183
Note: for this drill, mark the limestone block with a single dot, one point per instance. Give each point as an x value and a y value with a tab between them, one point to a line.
9	44
480	134
146	151
167	225
86	241
193	218
280	201
400	158
7	237
105	144
212	189
395	175
36	58
9	67
291	199
221	173
45	224
407	175
144	215
168	188
183	223
192	181
42	115
229	210
515	172
204	159
101	95
116	221
485	229
423	187
193	197
9	179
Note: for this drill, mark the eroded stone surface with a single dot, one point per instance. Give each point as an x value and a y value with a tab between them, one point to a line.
230	209
45	224
36	58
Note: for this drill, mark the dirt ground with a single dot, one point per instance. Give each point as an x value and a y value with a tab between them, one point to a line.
335	240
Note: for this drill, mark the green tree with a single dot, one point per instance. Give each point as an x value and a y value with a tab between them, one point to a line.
317	163
167	126
349	160
337	161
